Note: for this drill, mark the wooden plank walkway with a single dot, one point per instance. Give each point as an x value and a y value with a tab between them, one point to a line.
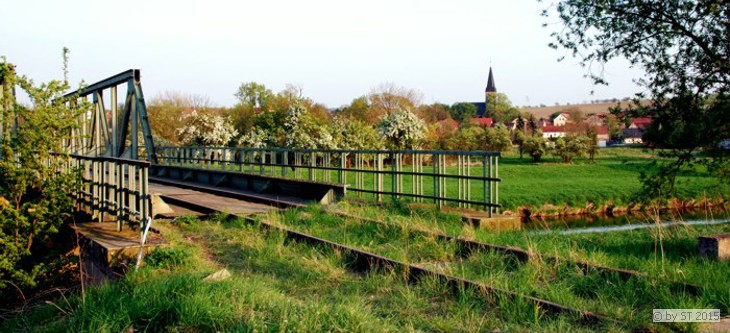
107	236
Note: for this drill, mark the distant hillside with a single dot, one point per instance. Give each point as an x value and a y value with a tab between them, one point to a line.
597	108
545	112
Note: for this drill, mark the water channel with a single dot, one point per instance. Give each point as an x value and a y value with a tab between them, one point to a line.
602	223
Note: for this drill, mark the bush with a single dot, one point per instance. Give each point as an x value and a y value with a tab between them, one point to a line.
535	147
34	200
572	146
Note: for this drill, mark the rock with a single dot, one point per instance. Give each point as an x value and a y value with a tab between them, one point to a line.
220	275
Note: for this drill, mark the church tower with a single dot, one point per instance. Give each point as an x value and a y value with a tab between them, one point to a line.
491	88
489	92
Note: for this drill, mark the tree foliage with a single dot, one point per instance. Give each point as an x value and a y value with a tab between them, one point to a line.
535	146
496	138
684	49
34	199
389	98
500	107
402	129
572	146
205	129
254	95
167	109
463	112
359	135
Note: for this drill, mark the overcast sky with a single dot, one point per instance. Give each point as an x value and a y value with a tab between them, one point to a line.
334	50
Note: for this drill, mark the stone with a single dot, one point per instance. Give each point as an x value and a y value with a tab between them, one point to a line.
715	247
220	275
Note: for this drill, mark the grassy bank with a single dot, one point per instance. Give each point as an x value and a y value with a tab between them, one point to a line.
276	285
630	301
667	253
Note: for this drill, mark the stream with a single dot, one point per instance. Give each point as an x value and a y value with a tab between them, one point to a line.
601	224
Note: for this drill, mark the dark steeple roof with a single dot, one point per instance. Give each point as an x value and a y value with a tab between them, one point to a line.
490	83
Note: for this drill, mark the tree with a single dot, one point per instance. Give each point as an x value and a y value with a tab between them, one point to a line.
535	146
496	138
572	146
359	135
519	140
254	138
465	139
402	129
432	113
500	107
302	131
388	98
167	110
253	95
439	133
463	112
203	129
34	199
532	123
683	48
359	109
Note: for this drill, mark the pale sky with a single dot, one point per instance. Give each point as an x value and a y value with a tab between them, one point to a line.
334	50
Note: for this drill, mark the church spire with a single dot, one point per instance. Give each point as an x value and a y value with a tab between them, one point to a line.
491	88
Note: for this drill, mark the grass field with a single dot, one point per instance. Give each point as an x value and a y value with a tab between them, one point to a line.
276	286
631	300
612	178
281	285
667	253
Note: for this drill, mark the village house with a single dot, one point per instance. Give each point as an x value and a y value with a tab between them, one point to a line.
483	122
633	136
561	119
595	120
543	122
640	123
602	136
553	132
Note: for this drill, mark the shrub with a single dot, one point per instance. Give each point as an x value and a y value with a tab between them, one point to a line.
34	199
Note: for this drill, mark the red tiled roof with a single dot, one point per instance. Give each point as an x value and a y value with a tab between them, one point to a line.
483	121
602	130
641	122
553	129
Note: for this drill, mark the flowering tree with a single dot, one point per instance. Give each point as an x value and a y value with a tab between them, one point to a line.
402	129
256	138
206	130
302	131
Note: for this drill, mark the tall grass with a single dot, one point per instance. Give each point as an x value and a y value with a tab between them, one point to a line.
277	285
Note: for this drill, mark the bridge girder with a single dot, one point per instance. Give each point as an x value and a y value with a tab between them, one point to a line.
113	132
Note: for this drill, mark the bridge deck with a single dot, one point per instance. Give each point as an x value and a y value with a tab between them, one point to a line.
177	195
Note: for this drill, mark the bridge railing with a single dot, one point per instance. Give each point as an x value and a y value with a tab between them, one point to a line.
112	189
458	178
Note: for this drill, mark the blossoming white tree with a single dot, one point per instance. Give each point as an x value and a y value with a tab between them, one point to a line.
402	129
204	129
